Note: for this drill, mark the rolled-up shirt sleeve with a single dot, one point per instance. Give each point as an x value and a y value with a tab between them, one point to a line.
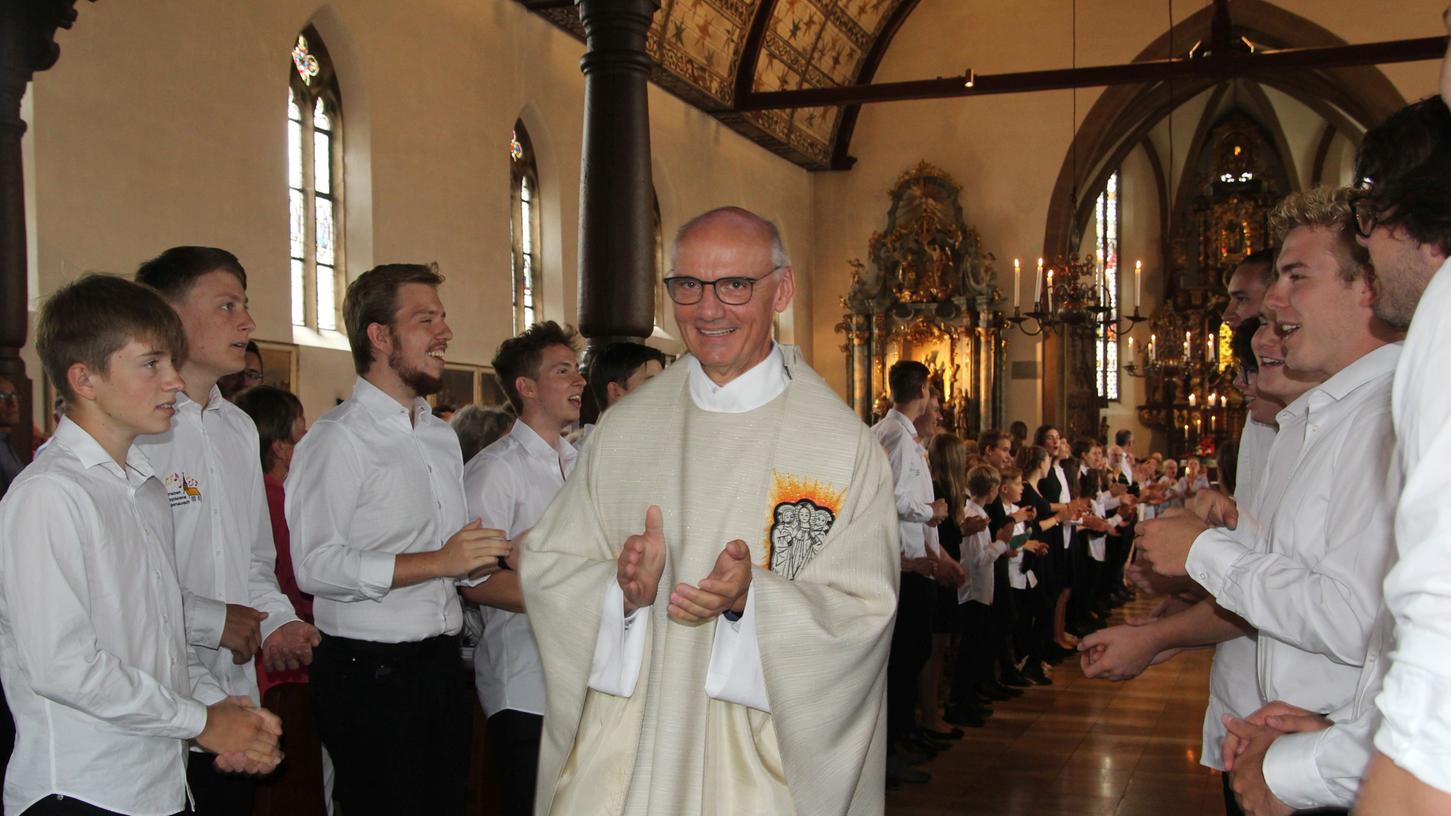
1321	769
322	495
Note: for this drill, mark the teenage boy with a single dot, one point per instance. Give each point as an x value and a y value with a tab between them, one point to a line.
93	648
615	371
380	536
509	485
225	555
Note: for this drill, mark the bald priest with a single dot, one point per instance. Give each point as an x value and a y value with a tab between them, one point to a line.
713	590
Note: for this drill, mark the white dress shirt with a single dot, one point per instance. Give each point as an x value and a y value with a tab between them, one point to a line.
1064	497
1311	583
509	485
1234	686
1416	733
1018	577
735	673
209	465
911	481
93	651
373	480
979	552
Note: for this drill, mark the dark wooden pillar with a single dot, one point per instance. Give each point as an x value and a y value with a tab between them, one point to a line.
27	45
616	215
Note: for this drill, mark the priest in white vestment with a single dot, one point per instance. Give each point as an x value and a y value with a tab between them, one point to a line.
713	590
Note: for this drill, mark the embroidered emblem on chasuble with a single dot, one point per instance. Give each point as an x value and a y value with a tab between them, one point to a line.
802	512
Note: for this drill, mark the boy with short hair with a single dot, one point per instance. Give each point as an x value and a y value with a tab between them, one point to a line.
225	555
93	649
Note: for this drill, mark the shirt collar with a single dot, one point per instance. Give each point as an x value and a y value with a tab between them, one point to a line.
214	401
537	445
902	420
381	405
762	383
90	453
1377	363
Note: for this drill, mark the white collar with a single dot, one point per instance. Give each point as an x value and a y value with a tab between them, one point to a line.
762	383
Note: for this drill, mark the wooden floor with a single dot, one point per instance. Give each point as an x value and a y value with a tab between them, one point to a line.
1081	747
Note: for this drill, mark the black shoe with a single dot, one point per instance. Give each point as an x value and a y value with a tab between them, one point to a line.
992	691
910	756
1037	675
1012	693
953	734
1015	679
966	716
899	772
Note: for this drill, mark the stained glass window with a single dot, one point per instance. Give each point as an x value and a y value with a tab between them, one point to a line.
314	184
1106	250
524	229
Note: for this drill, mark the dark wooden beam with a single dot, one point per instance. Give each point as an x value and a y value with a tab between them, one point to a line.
751	49
840	159
545	5
1220	65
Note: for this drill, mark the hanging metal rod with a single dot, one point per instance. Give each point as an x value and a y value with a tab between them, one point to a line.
1221	65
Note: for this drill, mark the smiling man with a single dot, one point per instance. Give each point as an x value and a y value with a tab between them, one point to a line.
509	485
380	535
712	592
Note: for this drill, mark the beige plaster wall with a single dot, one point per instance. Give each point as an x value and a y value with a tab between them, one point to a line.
163	123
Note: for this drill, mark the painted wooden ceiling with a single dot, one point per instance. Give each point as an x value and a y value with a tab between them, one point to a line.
710	52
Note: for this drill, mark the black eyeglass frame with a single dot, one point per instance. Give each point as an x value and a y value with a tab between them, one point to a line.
714	284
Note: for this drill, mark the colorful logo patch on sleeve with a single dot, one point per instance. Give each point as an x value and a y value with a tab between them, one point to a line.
802	512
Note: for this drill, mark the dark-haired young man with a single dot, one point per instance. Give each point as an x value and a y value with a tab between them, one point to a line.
615	371
509	485
225	555
917	517
380	536
1404	220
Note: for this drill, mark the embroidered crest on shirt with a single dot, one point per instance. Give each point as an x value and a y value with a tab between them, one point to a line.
182	489
802	512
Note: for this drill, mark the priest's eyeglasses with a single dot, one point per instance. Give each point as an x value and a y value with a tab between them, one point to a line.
733	291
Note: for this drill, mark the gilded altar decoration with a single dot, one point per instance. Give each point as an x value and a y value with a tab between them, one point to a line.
926	293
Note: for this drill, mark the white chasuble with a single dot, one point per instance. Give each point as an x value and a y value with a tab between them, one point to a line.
803	482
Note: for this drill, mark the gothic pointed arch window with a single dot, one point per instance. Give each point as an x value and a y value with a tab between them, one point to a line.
1106	251
524	229
314	184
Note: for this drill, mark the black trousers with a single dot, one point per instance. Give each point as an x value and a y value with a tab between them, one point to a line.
217	793
395	717
1033	623
514	736
70	806
974	653
911	646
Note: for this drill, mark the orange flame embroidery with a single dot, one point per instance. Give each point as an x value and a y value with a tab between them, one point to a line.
788	489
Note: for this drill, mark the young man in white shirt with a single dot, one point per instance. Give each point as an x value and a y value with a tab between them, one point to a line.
93	648
225	556
615	371
916	512
509	485
380	536
1310	583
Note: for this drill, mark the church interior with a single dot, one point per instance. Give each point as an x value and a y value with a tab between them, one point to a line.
1041	200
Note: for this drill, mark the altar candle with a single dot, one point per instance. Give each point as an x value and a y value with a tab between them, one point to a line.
1191	400
1017	281
1198	426
1153	346
1050	291
1138	284
1209	350
1212	397
1213	423
1186	347
1038	286
1131	349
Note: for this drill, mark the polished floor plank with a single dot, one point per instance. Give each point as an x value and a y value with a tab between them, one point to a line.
1081	747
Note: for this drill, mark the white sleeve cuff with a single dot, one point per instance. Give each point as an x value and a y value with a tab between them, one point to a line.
620	647
735	674
1211	558
205	620
375	574
1292	772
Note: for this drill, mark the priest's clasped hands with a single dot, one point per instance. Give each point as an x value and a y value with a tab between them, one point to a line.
641	562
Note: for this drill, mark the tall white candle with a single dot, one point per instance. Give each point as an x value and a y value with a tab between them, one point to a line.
1050	291
1038	287
1017	281
1138	284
